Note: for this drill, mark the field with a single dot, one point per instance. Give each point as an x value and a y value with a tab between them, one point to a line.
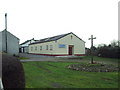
57	75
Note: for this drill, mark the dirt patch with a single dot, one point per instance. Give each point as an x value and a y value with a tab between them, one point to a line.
94	67
42	68
106	79
52	65
57	85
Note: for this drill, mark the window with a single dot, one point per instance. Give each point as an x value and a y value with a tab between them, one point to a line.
40	47
46	47
51	47
35	47
31	48
71	36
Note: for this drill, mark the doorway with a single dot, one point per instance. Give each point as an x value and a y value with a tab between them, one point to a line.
71	49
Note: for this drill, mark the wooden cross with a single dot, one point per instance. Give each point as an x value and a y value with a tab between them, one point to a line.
92	47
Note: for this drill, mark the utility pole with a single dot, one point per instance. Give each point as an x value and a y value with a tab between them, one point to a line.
6	30
92	47
118	43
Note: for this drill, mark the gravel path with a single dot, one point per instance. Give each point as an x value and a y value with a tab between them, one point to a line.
33	56
48	58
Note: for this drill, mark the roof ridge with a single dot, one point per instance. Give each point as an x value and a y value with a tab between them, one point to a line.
28	41
53	38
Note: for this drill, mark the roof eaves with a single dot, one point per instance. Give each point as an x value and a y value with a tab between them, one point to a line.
52	37
40	42
11	34
59	37
78	37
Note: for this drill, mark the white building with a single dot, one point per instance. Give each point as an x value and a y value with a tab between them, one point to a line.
61	45
9	43
24	45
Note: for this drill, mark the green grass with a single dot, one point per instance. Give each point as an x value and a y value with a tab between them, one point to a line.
102	60
56	75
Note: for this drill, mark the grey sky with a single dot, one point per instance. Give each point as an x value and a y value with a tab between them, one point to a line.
45	18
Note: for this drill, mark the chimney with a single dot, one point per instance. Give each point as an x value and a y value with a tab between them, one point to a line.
6	31
5	21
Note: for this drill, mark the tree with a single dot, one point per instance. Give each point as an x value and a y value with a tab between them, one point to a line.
110	51
114	43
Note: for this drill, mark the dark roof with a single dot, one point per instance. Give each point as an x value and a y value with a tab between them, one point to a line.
28	41
54	38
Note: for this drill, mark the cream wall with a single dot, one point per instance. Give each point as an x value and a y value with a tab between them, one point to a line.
43	51
79	46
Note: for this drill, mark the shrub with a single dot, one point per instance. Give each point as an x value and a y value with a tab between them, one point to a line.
12	72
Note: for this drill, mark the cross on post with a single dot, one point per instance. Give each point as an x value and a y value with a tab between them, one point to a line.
92	47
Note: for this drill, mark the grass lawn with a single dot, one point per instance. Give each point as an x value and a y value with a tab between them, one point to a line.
56	75
102	60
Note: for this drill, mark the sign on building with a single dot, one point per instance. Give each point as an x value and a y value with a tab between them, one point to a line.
62	46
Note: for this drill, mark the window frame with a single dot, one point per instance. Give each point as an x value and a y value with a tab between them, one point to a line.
46	47
40	47
35	48
51	47
31	48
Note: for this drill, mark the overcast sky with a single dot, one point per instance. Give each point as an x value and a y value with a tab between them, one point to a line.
39	19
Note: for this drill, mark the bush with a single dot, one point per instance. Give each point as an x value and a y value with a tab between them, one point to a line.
110	52
12	72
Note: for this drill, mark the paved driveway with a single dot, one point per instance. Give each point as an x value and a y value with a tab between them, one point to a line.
48	58
33	56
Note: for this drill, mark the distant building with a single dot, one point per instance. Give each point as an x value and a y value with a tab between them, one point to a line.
24	45
9	43
61	45
87	51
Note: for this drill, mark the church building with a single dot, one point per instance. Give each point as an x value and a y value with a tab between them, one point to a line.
60	45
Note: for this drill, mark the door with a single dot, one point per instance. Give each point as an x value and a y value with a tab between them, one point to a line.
23	50
70	50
